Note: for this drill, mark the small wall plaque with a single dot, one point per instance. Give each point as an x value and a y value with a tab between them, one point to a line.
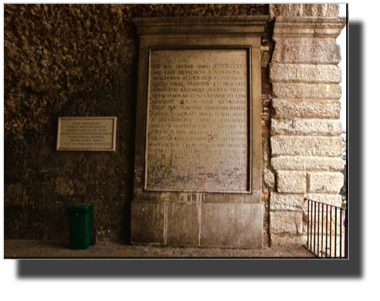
86	134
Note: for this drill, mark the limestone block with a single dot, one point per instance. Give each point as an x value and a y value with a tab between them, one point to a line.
268	178
308	29
183	224
186	197
265	59
303	10
286	222
285	10
291	181
239	198
291	73
319	10
287	202
307	163
306	52
287	241
231	225
325	182
288	108
306	146
296	202
331	199
315	91
307	127
147	222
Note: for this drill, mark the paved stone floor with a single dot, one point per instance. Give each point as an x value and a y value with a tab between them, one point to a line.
51	249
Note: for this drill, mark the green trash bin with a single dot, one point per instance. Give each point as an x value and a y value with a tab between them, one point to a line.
80	225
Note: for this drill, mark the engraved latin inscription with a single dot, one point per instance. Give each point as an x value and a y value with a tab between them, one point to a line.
197	121
86	133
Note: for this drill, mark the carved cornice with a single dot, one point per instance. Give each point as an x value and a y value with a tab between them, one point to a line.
176	26
308	27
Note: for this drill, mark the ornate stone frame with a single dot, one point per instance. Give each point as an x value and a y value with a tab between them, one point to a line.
199	219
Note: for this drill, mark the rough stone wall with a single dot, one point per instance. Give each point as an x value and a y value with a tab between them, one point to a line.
268	176
77	60
66	60
267	47
305	130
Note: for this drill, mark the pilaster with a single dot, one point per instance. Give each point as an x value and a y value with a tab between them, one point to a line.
305	127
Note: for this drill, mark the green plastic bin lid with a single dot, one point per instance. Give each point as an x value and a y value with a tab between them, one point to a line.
80	207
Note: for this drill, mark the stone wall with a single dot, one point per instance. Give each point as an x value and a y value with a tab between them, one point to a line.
304	10
81	60
75	60
267	47
305	130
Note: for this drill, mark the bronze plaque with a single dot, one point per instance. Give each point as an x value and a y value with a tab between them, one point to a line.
86	134
197	133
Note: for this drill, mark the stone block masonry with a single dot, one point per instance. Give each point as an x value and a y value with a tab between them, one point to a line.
309	163
291	109
325	182
306	146
291	181
306	52
305	73
305	127
310	90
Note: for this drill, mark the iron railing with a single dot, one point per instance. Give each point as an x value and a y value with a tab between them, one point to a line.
326	230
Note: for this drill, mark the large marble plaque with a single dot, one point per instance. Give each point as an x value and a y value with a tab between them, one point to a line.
86	134
197	133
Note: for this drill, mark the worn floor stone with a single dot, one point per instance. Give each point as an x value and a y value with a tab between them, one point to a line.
51	249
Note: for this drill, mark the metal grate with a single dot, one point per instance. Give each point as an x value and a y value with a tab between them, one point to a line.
326	230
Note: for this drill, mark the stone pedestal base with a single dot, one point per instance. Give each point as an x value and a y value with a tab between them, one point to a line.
192	224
